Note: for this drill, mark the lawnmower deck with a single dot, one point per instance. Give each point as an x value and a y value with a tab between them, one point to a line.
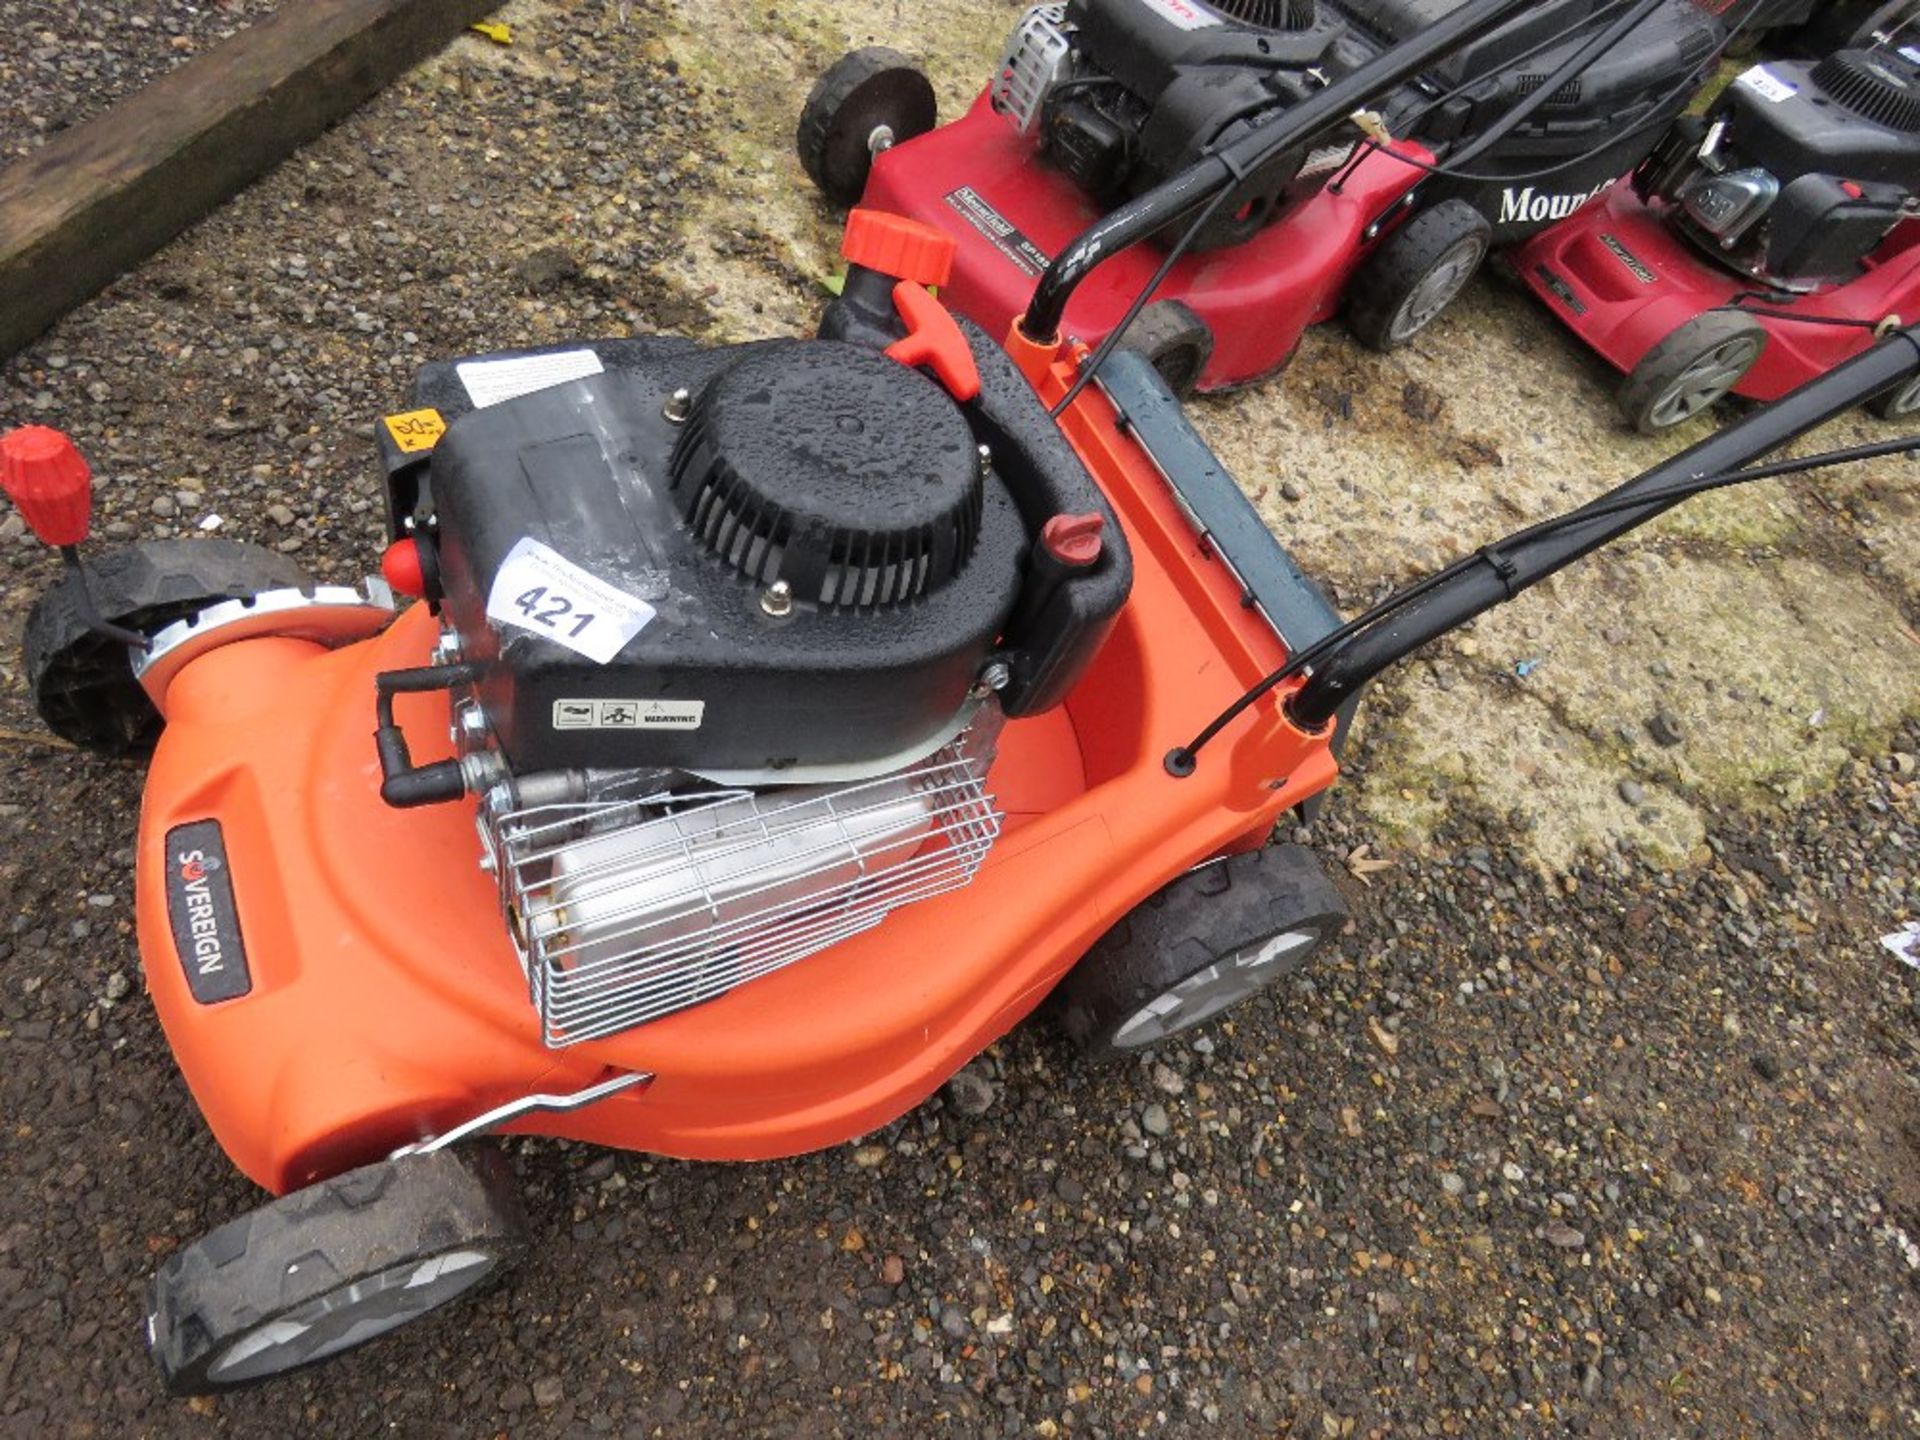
1623	279
387	1003
1011	212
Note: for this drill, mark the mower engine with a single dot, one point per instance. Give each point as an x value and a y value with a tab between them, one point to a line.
729	636
1123	94
1801	170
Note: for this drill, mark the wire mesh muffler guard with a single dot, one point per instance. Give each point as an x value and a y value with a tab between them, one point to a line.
631	907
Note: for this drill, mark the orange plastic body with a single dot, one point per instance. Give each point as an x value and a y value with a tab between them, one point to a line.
387	1004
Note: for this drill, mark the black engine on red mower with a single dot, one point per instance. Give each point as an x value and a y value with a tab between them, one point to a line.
791	557
1123	94
1802	168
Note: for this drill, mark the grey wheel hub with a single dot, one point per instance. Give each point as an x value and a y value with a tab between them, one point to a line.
1706	380
352	1314
1205	993
1439	287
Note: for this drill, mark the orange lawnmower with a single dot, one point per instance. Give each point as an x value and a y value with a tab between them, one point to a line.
838	651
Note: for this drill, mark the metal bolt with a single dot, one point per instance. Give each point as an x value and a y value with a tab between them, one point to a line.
446	649
996	676
679	406
1373	232
986	461
778	601
473	726
879	139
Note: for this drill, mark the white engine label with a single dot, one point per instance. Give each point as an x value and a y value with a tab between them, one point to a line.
1184	13
489	382
628	714
1767	85
536	588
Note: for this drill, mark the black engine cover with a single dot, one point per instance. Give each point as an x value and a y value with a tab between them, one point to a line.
852	478
1854	115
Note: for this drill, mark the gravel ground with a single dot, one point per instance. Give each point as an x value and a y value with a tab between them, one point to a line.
63	62
1579	1130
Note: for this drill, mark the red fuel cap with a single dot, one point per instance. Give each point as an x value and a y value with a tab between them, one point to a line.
1074	540
894	245
47	479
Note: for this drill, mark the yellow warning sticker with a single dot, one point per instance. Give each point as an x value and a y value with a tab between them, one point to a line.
416	430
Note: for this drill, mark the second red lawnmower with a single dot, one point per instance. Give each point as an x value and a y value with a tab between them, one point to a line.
1759	246
1458	127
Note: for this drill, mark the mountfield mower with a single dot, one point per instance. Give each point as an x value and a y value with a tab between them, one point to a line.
1758	246
773	727
1442	128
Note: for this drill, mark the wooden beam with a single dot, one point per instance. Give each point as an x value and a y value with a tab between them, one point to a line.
98	199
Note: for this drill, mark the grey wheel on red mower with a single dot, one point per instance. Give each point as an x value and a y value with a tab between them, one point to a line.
1213	938
82	683
1691	370
1898	403
868	100
1417	272
328	1268
1175	340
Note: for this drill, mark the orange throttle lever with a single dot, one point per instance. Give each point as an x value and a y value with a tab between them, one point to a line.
934	339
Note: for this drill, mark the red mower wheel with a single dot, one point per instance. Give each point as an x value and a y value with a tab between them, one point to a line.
1215	937
1417	272
1691	370
1175	340
869	100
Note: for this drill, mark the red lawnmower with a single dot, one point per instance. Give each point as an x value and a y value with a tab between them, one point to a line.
772	728
1458	127
1758	246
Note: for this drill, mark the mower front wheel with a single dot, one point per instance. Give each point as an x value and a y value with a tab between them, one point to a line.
1899	403
1691	370
1416	274
1213	938
81	682
325	1269
867	101
1175	340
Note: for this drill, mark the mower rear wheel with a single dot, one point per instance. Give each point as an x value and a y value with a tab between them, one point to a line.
325	1269
1175	340
1417	272
1691	370
82	683
1898	403
1213	938
869	99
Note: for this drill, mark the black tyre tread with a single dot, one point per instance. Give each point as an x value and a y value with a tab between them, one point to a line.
816	139
1188	925
1177	342
1663	364
209	1293
145	588
1888	405
1390	275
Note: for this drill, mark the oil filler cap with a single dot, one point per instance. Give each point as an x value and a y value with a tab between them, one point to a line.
1074	540
48	481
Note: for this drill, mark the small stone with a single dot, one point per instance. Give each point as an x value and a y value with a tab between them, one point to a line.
1070	1190
1664	729
953	1321
1633	792
1453	1184
1766	1065
1167	1079
281	515
970	1092
1291	492
1154	1120
164	506
893	1270
1512	1172
1388	1042
118	987
870	1157
1563	1236
547	1392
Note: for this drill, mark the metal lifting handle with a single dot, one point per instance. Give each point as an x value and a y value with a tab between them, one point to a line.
1200	182
1524	560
